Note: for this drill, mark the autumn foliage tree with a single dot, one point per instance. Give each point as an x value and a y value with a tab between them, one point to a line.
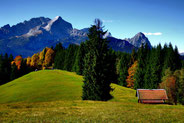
43	59
49	57
35	60
131	72
169	84
28	61
173	83
17	61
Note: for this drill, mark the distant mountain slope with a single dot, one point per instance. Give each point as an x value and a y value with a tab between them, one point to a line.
120	45
22	28
32	36
182	54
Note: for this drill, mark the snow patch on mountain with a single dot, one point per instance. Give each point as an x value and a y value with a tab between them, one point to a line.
48	27
33	32
107	34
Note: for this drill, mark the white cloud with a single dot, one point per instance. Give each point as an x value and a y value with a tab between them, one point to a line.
156	33
181	52
107	21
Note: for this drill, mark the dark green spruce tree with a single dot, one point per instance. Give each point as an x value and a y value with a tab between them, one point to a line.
79	61
171	59
14	72
123	69
59	57
177	60
70	56
96	67
156	69
113	76
141	69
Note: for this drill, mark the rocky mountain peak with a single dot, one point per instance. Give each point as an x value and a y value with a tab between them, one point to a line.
107	34
58	27
139	39
7	26
140	34
51	22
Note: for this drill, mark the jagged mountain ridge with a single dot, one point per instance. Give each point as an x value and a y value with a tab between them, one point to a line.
120	45
138	40
21	28
32	36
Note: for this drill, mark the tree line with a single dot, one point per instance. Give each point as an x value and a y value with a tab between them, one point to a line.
11	69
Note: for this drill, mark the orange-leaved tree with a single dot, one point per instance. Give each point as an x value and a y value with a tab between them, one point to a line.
131	72
169	84
17	61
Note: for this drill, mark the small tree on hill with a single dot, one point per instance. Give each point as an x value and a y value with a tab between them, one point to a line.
96	67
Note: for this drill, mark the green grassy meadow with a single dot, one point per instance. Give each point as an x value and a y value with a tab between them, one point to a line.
55	96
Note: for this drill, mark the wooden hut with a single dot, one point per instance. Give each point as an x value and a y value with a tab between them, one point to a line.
151	96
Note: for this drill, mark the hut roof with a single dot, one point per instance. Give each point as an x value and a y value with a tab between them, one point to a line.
153	94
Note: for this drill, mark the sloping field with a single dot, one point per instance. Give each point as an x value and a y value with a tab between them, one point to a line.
41	86
55	96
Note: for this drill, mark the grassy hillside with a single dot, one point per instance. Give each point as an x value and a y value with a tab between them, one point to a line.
45	85
53	85
55	96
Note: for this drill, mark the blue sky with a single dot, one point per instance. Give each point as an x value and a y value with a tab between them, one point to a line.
161	20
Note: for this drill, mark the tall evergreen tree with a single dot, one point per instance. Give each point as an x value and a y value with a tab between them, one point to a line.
168	58
139	75
58	47
123	69
182	62
148	84
156	68
70	56
171	59
177	59
79	61
113	76
147	67
5	69
133	57
14	72
1	69
59	57
143	65
96	68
